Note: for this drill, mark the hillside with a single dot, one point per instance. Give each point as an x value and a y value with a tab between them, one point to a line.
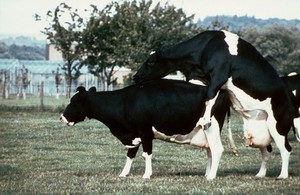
29	48
237	23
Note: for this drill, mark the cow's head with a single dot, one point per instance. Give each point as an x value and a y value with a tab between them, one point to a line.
77	110
155	67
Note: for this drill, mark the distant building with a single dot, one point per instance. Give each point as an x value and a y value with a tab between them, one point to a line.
52	53
45	71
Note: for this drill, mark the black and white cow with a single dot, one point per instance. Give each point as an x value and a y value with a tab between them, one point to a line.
138	114
256	121
227	61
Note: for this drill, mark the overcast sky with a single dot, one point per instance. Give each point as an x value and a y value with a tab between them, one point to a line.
16	16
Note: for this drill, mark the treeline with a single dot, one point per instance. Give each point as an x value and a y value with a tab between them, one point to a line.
239	23
21	52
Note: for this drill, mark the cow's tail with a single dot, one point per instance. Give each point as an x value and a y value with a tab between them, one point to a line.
230	138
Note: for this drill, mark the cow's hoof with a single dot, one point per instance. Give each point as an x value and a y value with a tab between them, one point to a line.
280	178
123	175
146	176
260	175
210	178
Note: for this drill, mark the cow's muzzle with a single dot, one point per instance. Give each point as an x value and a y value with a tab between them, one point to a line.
64	120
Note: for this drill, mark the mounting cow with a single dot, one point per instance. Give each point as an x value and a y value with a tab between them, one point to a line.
226	61
171	107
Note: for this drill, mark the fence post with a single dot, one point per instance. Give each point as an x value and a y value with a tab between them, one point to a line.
42	107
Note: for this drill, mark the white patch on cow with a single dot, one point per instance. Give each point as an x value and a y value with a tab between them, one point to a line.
64	120
197	82
244	102
148	165
232	42
127	167
152	52
297	128
294	92
135	143
292	74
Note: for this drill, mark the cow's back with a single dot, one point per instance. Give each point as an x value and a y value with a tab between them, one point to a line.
169	105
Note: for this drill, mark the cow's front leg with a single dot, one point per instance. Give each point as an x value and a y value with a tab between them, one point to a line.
216	147
148	165
147	154
205	121
265	155
131	153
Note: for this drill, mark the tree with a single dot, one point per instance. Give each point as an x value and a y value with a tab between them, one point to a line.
118	35
99	45
66	36
279	42
124	34
25	80
58	82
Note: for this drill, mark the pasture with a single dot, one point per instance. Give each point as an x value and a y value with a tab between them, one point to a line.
39	155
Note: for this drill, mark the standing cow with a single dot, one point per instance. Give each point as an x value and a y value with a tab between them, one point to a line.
257	119
229	62
171	107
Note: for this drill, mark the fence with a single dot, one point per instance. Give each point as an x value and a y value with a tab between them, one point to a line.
19	77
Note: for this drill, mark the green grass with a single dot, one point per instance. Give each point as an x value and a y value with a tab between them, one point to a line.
39	155
33	104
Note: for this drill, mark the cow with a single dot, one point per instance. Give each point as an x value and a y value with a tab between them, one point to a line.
138	114
262	138
224	60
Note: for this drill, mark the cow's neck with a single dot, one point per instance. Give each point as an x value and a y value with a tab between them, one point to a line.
99	108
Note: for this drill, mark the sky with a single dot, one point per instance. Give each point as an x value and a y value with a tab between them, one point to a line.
16	16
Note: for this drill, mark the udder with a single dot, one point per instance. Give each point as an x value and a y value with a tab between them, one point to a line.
257	134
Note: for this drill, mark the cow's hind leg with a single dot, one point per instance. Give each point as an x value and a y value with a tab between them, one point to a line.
297	128
131	153
265	155
209	161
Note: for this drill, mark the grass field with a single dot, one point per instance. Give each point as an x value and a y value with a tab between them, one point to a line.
39	155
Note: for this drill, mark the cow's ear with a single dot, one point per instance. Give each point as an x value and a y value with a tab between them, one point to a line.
80	89
92	89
